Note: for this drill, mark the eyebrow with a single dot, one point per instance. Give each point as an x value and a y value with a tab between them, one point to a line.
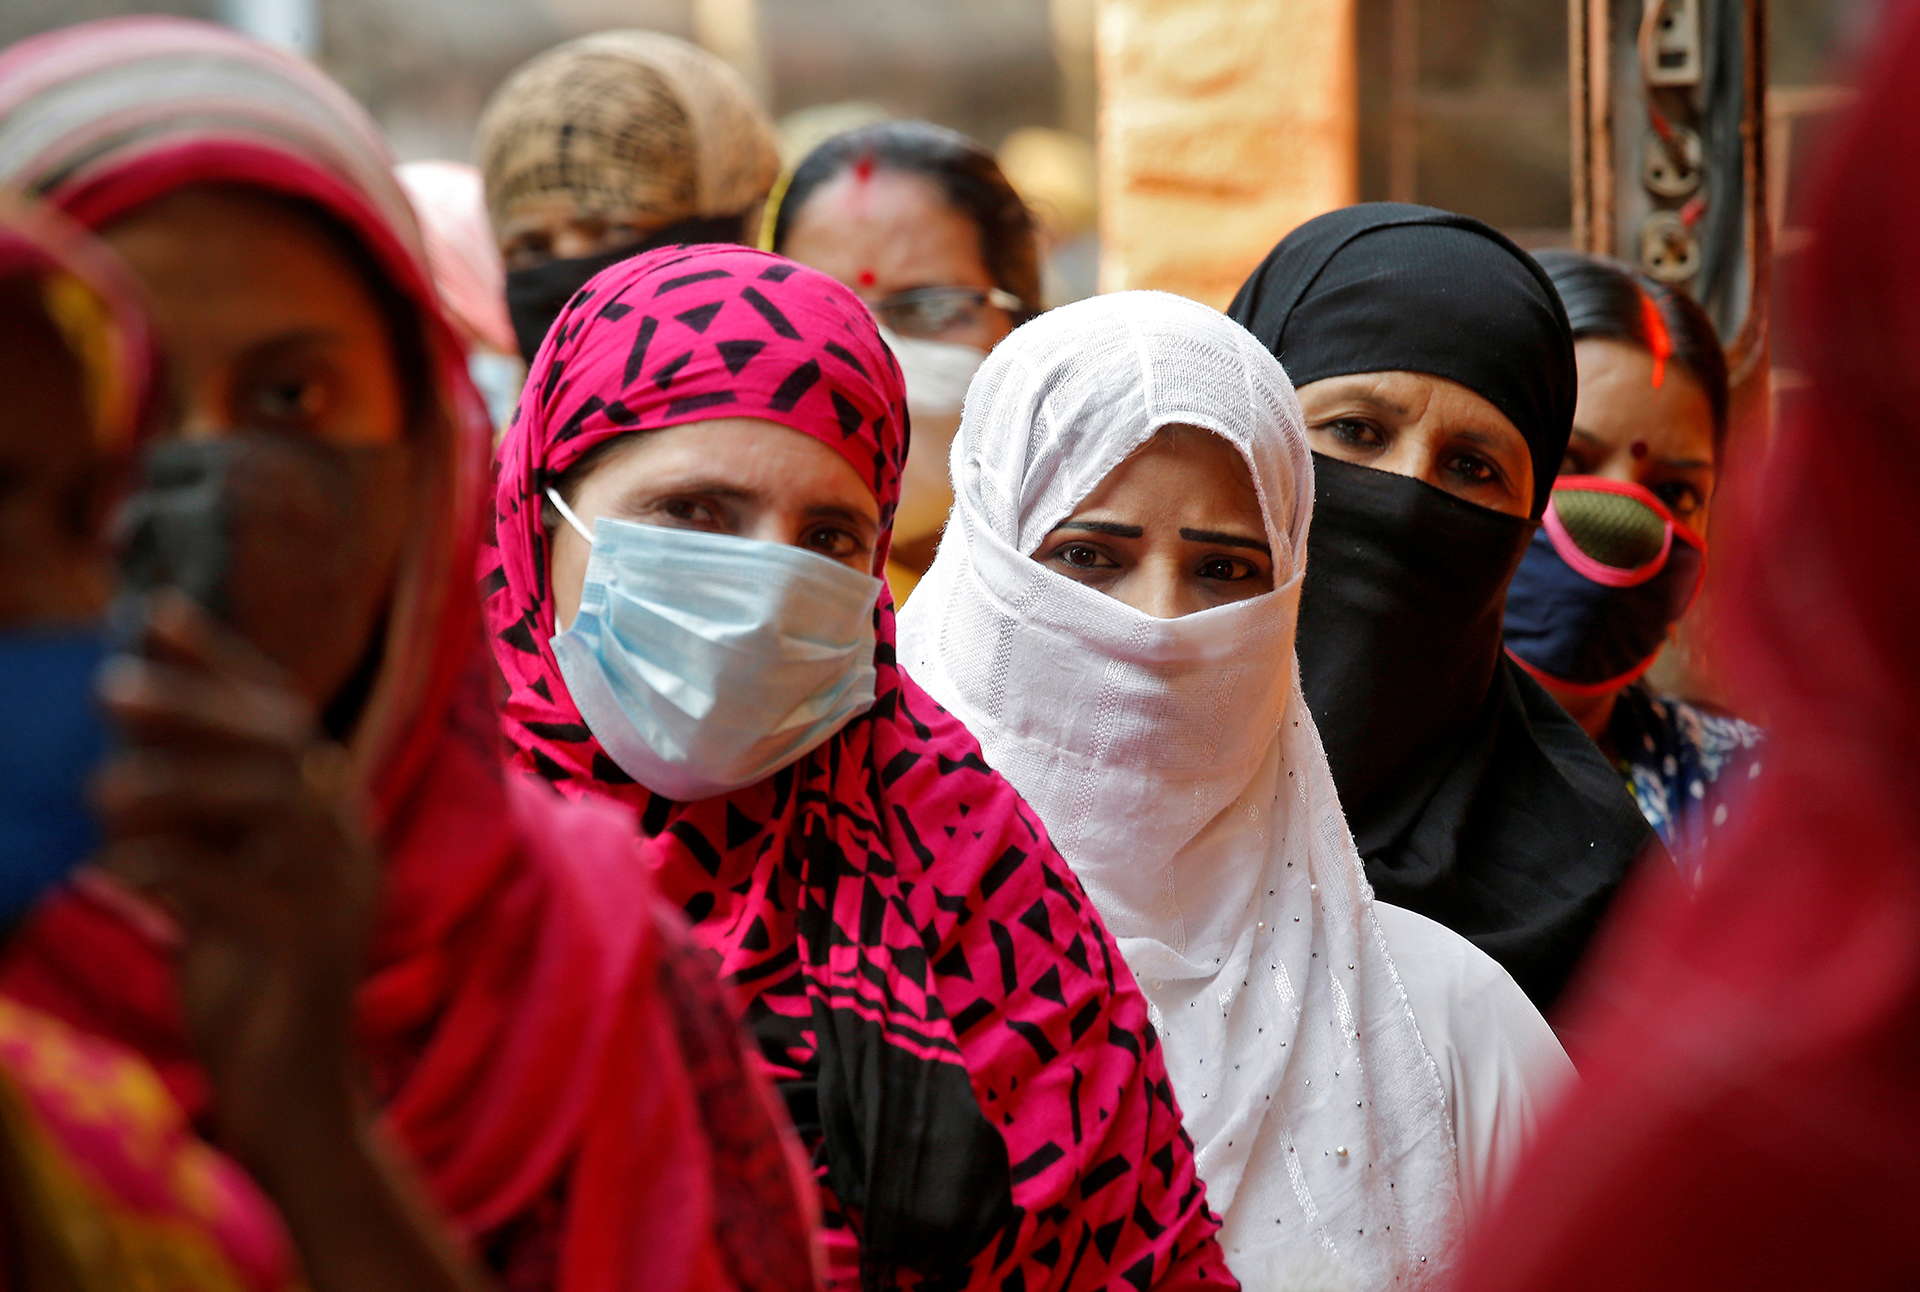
1105	527
650	489
1224	540
1359	394
291	339
1489	439
847	515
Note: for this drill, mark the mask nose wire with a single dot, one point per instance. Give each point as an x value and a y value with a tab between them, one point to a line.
573	520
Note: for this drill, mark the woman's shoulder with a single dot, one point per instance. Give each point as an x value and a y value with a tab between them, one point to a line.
1498	1060
1671	725
1458	989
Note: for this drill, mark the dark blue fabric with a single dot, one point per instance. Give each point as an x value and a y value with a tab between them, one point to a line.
53	737
1577	631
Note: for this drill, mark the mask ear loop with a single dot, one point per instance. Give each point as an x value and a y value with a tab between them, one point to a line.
553	495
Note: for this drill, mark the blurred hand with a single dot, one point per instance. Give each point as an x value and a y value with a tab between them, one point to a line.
226	805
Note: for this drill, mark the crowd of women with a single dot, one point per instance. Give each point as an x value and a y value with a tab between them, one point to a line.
517	777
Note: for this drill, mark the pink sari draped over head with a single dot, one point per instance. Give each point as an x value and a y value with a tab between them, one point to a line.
957	1035
540	1036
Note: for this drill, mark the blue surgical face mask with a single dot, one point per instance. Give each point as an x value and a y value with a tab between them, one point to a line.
703	662
54	735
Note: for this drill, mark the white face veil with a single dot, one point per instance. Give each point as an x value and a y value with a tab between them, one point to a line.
1176	767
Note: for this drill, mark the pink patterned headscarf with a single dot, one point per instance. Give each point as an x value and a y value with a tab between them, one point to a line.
959	1041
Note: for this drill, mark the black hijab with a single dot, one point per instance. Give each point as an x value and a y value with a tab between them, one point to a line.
1474	799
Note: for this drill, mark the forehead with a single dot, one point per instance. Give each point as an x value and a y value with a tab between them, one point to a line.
890	223
1414	401
234	263
1619	403
746	454
1182	470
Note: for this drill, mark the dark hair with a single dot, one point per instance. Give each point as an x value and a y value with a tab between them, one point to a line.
1607	299
966	175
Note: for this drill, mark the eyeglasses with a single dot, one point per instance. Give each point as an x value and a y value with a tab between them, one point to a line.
927	312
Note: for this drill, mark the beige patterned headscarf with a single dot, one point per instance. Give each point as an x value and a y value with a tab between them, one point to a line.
630	125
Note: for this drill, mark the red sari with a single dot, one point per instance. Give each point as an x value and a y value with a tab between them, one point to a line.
539	1035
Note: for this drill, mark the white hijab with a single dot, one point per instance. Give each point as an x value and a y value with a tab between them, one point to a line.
1176	767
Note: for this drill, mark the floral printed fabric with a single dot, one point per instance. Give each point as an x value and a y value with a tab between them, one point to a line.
1687	768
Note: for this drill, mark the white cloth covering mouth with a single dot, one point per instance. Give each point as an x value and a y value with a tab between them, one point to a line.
1175	764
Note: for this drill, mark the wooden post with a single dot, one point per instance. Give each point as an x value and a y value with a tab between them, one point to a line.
1223	125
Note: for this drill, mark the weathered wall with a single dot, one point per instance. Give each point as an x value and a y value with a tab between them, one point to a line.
1223	124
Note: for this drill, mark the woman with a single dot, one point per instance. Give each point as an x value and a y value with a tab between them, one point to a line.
1748	1117
534	1034
920	222
608	145
1112	613
1621	555
1436	375
107	1185
691	516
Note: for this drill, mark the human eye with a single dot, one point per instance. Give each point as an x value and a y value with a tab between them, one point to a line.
294	397
1681	498
618	235
833	542
1228	569
1083	556
933	313
529	250
1357	432
1078	559
1472	469
688	513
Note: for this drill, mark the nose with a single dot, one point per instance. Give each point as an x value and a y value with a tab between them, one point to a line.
1411	455
1157	589
198	412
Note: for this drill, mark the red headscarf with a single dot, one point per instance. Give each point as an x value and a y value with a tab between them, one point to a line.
526	1007
1750	1114
956	1031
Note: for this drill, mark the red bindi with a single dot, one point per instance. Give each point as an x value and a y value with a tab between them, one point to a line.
1639	449
865	278
863	168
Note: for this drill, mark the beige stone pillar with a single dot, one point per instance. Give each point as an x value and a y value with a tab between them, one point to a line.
1223	125
731	29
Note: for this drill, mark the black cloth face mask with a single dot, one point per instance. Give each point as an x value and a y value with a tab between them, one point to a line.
537	294
1399	630
1473	798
